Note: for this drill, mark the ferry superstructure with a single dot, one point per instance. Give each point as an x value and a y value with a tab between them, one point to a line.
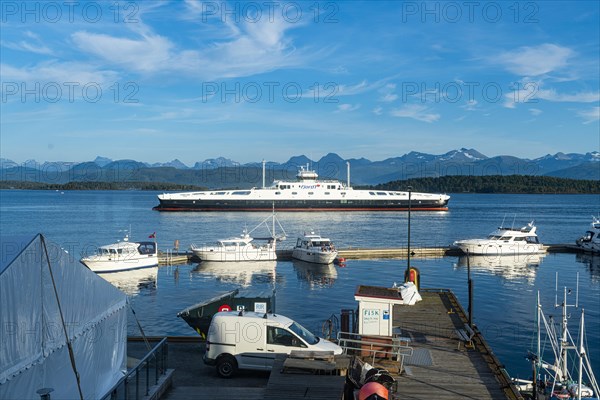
306	193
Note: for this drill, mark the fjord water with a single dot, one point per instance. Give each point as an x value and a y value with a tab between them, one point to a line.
504	289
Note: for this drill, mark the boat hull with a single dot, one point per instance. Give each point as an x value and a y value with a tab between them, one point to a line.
315	257
235	256
491	248
299	205
100	266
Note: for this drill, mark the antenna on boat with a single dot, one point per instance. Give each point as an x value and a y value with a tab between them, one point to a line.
263	172
348	172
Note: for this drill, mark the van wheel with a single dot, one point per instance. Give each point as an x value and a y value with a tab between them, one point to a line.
226	366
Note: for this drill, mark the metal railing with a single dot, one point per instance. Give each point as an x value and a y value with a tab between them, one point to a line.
138	380
398	348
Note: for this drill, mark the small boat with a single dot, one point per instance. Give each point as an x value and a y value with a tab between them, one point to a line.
590	241
199	315
314	249
244	247
553	377
504	241
123	256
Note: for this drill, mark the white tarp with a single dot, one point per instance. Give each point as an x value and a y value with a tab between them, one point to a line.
33	347
409	293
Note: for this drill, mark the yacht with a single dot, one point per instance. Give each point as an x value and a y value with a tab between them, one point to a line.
306	193
313	248
123	256
242	248
504	241
590	241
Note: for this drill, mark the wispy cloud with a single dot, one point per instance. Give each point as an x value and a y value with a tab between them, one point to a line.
535	61
347	107
251	48
535	111
416	111
590	115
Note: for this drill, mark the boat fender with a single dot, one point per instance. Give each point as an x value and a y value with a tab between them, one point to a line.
373	391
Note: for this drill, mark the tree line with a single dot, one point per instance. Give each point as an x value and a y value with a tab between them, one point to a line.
496	184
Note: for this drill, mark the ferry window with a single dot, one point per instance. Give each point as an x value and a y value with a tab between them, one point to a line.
311	192
220	193
372	193
294	192
326	192
382	193
277	192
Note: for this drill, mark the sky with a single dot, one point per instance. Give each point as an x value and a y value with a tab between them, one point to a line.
191	80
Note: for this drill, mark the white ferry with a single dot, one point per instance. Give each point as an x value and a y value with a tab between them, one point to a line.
307	193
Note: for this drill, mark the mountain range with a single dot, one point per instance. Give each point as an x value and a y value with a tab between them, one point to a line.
223	172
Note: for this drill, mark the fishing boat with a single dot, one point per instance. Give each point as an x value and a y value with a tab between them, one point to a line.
123	256
590	241
306	193
198	316
504	241
313	248
244	247
553	377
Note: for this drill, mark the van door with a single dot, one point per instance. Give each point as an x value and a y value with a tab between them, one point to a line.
251	349
281	341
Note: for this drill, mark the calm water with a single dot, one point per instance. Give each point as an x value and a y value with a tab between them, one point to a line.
504	295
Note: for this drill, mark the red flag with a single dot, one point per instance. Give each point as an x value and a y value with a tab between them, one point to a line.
153	236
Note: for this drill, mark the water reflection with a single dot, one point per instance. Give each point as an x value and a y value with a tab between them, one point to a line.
516	266
317	275
131	282
592	262
243	273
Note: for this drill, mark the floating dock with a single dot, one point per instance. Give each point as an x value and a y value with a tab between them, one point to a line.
178	258
443	365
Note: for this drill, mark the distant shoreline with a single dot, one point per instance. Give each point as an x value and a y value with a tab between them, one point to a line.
490	184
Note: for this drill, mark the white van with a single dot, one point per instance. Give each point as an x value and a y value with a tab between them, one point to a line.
250	340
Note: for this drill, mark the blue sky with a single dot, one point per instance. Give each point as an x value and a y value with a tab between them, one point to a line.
159	80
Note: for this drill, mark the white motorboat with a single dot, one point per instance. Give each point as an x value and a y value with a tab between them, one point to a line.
590	241
244	247
314	249
123	256
504	241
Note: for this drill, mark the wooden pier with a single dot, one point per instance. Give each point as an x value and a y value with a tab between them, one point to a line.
445	364
178	258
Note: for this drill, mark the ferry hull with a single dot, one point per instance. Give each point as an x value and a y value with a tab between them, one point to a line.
300	205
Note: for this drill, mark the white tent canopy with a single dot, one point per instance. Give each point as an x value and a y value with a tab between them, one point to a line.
38	280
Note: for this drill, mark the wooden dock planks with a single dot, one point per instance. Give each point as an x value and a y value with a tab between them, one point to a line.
454	373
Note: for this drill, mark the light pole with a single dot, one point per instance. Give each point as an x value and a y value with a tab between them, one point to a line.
407	273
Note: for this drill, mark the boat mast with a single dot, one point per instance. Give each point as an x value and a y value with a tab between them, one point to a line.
263	172
348	173
581	356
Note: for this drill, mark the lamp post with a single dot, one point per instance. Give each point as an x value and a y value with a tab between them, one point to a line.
407	273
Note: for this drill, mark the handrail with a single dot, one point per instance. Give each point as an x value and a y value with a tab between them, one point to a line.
397	348
159	354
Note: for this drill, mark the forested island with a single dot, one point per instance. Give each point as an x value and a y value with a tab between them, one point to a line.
496	184
444	184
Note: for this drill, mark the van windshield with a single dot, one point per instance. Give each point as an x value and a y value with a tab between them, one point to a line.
303	333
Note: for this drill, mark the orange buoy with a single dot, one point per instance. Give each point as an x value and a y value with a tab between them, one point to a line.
373	391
